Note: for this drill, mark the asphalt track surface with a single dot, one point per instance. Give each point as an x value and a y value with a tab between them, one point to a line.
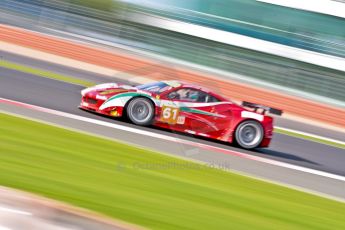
65	97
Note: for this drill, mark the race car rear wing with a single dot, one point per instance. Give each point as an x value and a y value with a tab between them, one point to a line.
263	108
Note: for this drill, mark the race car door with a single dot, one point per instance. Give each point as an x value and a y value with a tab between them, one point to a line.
195	111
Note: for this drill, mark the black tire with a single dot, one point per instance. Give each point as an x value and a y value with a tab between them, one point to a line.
249	134
140	111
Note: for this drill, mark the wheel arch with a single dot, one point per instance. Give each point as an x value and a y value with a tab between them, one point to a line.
124	113
242	121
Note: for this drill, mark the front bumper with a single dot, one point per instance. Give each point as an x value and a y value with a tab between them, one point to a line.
93	105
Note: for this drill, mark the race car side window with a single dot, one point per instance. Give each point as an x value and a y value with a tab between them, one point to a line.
189	94
212	99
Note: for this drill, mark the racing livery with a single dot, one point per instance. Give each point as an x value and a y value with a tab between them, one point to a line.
183	107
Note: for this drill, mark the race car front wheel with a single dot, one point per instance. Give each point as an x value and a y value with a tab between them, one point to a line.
249	134
140	111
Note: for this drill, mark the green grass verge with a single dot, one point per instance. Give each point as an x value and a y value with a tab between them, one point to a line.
44	73
310	138
137	186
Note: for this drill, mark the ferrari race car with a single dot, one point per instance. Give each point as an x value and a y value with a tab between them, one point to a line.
183	107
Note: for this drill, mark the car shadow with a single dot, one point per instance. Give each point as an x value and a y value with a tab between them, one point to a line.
273	154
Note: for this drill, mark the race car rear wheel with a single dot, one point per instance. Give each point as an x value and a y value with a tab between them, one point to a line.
140	111
249	134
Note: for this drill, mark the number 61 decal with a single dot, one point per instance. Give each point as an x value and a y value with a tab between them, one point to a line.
169	114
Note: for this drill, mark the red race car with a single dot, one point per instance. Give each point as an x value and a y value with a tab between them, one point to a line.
184	108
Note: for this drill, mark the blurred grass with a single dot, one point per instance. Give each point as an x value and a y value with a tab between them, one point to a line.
127	183
44	73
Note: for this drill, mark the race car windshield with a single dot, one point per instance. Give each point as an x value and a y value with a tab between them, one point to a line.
155	87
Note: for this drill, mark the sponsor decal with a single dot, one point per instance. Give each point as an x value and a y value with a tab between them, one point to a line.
170	114
181	120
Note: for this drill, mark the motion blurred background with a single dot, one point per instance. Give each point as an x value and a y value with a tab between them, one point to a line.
284	51
169	28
